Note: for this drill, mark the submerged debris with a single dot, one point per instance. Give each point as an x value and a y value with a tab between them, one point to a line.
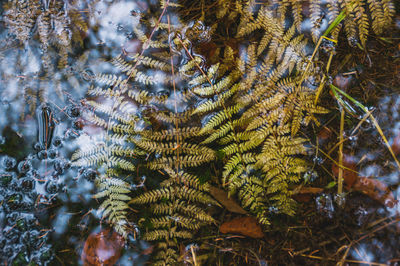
102	248
247	226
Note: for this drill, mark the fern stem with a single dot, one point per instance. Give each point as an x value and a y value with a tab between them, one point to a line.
175	104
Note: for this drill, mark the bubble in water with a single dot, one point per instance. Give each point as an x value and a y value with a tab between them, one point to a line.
324	205
52	153
52	187
318	160
9	163
42	155
89	174
57	142
27	185
37	146
24	166
310	176
60	166
120	27
74	111
340	199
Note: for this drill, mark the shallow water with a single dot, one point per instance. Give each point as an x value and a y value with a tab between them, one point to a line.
48	215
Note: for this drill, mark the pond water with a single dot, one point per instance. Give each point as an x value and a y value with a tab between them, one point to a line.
60	136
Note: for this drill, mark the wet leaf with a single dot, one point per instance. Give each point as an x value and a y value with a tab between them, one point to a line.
331	185
376	190
304	194
372	187
309	190
102	248
396	145
247	226
222	197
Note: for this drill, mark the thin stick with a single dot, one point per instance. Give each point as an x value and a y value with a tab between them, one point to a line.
193	256
340	176
175	103
351	261
335	90
323	81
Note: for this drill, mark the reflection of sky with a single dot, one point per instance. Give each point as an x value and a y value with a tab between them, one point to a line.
115	22
362	253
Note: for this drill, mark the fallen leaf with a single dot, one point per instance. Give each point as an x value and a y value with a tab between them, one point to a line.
222	197
303	194
376	190
302	197
324	135
343	81
396	145
103	248
247	226
308	190
372	187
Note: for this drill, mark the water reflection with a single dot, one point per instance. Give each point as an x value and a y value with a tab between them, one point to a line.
52	54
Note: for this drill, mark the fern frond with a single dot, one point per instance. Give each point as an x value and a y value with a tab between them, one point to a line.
114	207
183	162
168	135
177	206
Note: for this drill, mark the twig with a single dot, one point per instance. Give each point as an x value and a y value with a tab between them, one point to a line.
340	175
193	255
351	261
336	90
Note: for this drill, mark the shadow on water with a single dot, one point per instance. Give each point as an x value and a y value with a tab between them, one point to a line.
53	52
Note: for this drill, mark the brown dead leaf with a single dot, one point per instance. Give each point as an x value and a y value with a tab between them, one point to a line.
222	197
396	145
102	248
247	226
309	190
304	194
376	190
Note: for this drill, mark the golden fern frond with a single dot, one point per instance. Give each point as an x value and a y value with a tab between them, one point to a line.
382	13
315	8
281	166
212	104
114	206
181	206
219	118
180	220
184	179
98	91
253	197
213	89
181	162
170	134
170	117
171	147
111	80
137	60
143	97
177	209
